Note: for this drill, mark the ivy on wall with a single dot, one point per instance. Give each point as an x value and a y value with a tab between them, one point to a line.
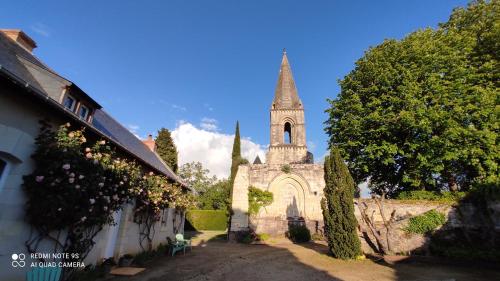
258	198
426	222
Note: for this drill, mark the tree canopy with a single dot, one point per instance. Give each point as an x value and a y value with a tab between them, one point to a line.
196	176
165	147
422	112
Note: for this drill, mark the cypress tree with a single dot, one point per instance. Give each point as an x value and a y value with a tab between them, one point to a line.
235	162
165	147
236	155
338	208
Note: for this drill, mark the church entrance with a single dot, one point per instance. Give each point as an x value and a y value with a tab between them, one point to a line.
288	197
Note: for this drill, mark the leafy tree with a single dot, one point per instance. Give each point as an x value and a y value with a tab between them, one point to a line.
165	147
196	176
422	112
216	197
338	208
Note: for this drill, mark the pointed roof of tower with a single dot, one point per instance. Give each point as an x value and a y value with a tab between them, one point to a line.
285	95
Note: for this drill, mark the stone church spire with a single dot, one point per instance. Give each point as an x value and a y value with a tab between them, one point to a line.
288	132
285	95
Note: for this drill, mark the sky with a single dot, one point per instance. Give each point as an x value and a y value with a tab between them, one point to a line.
196	67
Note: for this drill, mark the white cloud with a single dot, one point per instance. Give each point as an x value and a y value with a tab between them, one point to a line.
134	129
178	107
209	124
41	29
211	148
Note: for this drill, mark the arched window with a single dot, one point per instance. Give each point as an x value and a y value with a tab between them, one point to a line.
288	133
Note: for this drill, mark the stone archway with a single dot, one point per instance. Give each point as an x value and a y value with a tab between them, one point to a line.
289	192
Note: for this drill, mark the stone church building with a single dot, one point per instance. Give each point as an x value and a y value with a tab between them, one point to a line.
289	172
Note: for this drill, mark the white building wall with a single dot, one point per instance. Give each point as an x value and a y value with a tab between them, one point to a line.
19	126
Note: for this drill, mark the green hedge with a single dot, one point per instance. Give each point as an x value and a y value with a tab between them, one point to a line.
207	219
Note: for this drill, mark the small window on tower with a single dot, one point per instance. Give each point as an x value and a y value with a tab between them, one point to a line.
288	133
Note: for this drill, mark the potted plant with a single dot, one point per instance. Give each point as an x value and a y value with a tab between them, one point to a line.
125	260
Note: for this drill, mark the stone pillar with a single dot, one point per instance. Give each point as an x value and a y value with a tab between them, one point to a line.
239	207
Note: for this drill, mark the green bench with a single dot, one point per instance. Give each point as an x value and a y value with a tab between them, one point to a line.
44	274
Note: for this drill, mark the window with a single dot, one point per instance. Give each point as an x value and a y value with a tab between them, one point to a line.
83	112
69	102
288	133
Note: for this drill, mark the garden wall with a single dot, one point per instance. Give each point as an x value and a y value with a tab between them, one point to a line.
460	218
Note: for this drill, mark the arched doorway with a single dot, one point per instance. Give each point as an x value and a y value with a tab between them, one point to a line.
288	197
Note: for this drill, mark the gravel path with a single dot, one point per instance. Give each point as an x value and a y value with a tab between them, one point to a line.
281	260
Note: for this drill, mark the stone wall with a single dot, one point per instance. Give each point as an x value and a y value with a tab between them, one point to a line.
459	217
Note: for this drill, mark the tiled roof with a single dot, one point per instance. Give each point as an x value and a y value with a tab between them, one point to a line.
23	65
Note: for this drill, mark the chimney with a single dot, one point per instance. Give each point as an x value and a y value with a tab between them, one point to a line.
150	143
20	38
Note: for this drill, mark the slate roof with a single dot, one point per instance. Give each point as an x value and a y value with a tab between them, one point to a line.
24	67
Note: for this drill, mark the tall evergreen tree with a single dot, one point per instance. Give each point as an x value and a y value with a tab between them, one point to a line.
165	147
338	208
235	162
236	155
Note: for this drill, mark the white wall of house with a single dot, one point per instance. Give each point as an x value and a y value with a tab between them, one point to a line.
19	126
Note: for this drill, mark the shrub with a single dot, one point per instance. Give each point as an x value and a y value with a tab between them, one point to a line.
299	233
207	219
263	236
444	196
317	237
286	169
426	222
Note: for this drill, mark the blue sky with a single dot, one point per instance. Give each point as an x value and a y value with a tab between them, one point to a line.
154	63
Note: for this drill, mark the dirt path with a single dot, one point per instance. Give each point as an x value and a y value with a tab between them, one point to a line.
219	260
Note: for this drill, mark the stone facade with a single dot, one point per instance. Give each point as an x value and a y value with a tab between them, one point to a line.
298	188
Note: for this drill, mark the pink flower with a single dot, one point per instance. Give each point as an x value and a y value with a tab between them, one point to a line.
151	173
81	177
71	134
39	178
88	155
102	142
71	180
87	149
66	166
84	139
92	201
72	175
77	186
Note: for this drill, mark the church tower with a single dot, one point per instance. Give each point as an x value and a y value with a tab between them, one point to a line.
288	132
